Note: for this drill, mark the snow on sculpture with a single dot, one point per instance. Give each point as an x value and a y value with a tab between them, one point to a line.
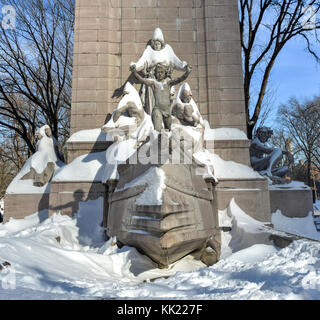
161	88
46	159
40	167
129	120
157	52
185	109
129	127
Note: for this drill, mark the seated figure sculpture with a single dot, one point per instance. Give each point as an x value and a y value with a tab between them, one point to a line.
265	159
46	159
161	87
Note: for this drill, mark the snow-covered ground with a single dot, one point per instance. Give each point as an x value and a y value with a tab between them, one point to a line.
67	258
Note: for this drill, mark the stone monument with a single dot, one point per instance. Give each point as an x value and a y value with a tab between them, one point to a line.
159	40
110	35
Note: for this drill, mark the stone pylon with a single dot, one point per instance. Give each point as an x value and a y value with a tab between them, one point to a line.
110	34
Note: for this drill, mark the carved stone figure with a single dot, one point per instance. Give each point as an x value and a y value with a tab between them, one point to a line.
265	159
161	87
129	118
156	52
43	162
185	108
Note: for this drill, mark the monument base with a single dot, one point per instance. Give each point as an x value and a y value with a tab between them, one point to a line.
294	201
19	206
66	196
251	195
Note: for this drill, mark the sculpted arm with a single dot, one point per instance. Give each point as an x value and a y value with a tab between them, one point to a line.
182	78
259	146
145	81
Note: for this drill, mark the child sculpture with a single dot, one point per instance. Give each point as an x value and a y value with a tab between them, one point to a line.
161	87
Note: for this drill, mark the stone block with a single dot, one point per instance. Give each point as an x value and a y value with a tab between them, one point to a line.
293	203
251	195
231	150
65	197
77	149
18	206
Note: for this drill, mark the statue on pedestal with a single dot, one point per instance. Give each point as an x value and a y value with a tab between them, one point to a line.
161	88
156	52
265	159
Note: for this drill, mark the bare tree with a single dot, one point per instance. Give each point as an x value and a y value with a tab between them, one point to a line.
266	26
301	122
36	68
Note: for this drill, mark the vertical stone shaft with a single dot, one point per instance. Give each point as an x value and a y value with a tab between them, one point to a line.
109	34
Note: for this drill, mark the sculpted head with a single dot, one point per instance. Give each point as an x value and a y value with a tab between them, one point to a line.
186	96
186	93
161	72
157	42
43	131
264	134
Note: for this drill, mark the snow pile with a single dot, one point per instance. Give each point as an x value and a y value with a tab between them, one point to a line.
245	232
259	272
67	258
304	227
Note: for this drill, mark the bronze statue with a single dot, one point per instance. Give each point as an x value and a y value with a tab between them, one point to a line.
161	87
265	159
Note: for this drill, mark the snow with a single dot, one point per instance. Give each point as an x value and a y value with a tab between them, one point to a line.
300	226
224	134
45	153
18	186
226	169
294	185
154	178
152	57
81	265
88	167
93	135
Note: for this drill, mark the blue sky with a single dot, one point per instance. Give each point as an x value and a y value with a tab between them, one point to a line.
296	73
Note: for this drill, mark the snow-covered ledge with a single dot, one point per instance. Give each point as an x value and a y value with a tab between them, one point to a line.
87	141
231	144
